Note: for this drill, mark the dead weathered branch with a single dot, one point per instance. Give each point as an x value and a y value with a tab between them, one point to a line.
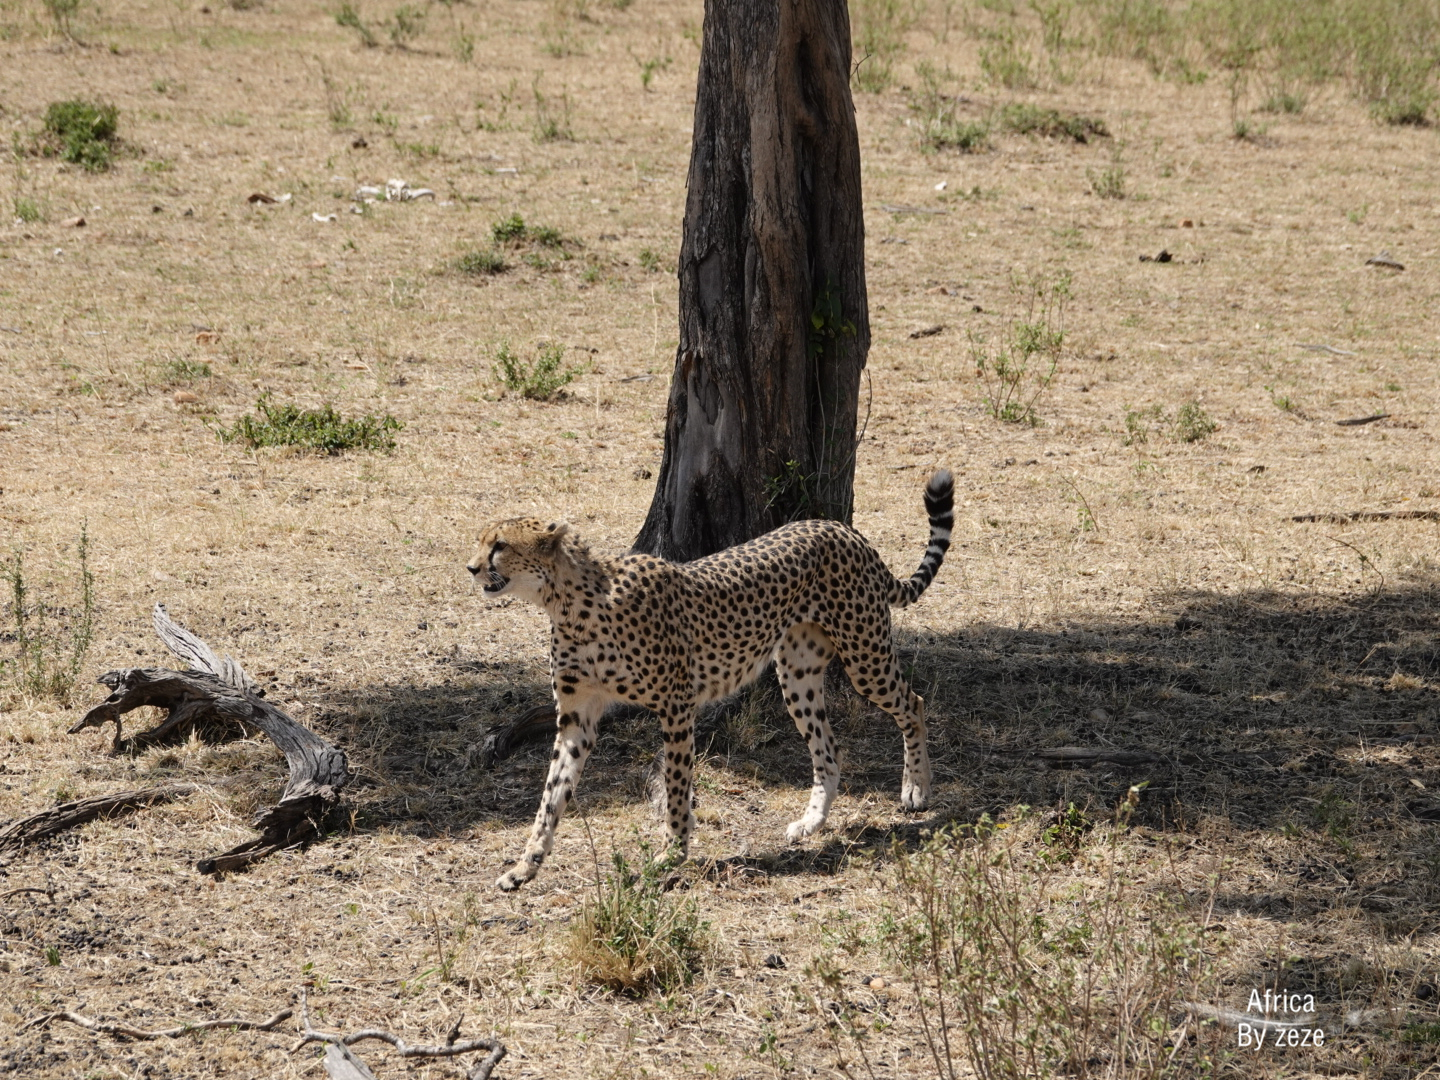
453	1046
216	690
116	1028
1371	515
531	724
57	819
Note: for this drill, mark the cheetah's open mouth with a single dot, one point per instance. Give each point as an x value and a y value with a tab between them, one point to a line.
496	583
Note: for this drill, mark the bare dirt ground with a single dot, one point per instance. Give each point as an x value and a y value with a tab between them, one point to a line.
1110	587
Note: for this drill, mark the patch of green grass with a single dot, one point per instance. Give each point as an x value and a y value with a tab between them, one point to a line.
547	246
349	17
28	210
941	128
1285	101
1422	1032
1024	118
1019	369
1006	62
51	638
323	430
1193	423
84	133
187	370
634	936
1109	182
509	230
484	261
878	28
542	380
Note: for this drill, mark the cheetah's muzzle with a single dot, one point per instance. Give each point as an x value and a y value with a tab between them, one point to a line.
671	637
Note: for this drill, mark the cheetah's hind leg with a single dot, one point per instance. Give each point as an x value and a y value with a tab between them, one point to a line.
875	673
800	661
578	722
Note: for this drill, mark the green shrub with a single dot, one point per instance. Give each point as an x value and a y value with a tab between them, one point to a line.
1027	119
1018	974
187	370
878	28
539	381
940	126
51	638
1021	368
27	210
1193	423
323	430
634	937
83	133
487	261
348	17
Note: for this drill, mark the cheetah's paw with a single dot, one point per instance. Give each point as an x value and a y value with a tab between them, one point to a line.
805	827
513	879
914	798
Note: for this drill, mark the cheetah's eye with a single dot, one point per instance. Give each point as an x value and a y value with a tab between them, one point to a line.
499	545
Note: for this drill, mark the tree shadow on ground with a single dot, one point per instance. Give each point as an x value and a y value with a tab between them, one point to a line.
1260	711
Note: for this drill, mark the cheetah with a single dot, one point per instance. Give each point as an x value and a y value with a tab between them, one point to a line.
671	637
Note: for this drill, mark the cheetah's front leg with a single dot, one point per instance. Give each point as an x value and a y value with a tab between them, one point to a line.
578	721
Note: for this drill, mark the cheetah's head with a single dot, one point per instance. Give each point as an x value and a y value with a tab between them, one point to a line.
517	557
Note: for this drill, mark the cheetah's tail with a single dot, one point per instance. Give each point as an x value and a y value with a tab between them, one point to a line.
939	504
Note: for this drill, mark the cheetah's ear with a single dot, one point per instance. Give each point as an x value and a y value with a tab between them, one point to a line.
553	533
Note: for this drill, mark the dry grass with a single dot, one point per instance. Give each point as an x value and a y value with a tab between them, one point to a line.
1103	590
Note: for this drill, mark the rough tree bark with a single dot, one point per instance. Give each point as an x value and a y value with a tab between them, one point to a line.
774	328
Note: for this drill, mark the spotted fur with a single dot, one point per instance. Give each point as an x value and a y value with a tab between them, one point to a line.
671	637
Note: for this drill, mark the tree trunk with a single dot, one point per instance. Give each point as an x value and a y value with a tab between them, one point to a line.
774	327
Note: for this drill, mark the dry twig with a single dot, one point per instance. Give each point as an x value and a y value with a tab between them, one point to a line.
108	1028
454	1046
57	819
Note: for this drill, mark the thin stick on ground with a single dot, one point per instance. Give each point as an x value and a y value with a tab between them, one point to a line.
116	1028
454	1046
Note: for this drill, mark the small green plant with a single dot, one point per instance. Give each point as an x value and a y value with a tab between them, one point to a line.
510	230
1283	402
878	28
1067	832
1109	182
634	937
464	46
650	66
1137	424
406	24
52	956
61	13
940	126
542	380
1020	369
51	639
348	16
551	126
483	261
84	133
1193	423
187	370
649	261
1014	976
1291	102
1026	119
27	210
1006	62
323	430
